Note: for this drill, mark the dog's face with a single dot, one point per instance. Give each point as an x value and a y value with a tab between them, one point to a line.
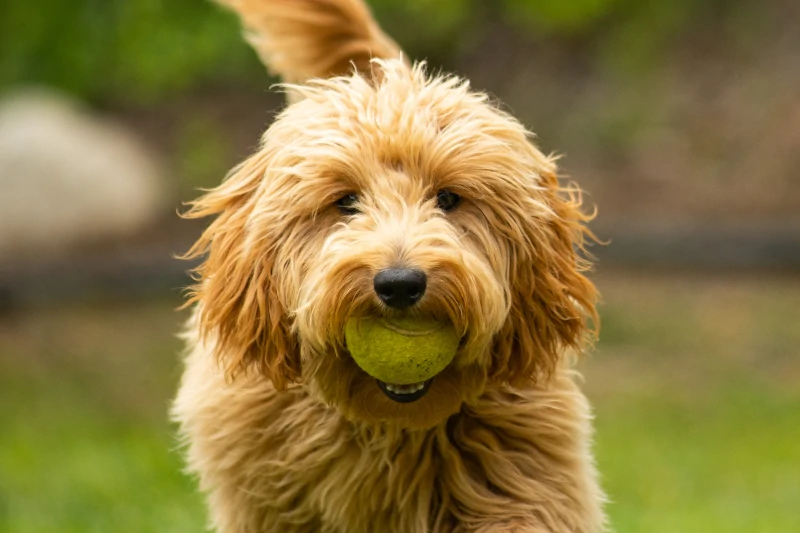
405	196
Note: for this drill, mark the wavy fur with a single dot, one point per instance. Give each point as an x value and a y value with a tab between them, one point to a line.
285	431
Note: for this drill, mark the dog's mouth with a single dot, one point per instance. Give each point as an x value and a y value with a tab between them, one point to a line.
405	393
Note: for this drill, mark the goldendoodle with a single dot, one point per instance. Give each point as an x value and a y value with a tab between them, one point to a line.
384	191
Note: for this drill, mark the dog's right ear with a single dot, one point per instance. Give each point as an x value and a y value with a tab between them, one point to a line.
240	309
303	39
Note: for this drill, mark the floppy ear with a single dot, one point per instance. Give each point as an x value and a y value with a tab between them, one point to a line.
240	310
552	302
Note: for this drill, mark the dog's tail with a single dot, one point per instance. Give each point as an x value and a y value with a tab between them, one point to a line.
302	39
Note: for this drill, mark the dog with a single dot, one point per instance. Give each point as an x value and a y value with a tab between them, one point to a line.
376	164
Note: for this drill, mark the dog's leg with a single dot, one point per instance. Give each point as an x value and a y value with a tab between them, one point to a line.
524	463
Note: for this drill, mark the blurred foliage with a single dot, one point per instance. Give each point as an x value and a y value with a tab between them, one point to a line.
557	15
143	50
636	93
202	153
120	49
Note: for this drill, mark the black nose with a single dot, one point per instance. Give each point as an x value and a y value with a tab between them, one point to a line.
400	287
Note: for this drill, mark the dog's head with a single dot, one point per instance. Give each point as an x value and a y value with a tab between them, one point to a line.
409	174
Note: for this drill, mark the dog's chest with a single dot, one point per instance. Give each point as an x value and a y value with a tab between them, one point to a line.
282	461
365	483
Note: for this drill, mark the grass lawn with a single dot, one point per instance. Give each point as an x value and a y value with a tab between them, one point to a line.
85	445
696	385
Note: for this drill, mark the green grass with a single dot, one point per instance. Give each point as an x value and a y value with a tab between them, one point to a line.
68	466
697	398
695	388
85	444
730	465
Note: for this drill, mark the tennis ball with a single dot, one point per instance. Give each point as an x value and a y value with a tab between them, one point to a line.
401	351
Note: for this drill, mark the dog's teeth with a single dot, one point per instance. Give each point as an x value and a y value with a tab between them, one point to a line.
405	389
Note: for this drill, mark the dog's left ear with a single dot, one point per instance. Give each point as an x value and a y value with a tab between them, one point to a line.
552	302
240	309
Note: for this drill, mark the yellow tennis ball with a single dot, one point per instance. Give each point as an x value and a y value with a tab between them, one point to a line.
401	351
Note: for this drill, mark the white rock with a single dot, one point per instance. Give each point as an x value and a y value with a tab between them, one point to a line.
67	177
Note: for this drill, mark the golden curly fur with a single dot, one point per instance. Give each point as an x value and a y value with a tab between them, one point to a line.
286	433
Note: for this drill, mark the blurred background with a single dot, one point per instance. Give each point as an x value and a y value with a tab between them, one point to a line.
680	118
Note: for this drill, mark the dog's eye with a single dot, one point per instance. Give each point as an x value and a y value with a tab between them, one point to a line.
446	200
348	204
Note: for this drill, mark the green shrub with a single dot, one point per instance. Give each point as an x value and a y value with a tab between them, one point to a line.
143	50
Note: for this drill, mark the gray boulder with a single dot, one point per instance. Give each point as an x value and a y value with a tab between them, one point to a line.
68	177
